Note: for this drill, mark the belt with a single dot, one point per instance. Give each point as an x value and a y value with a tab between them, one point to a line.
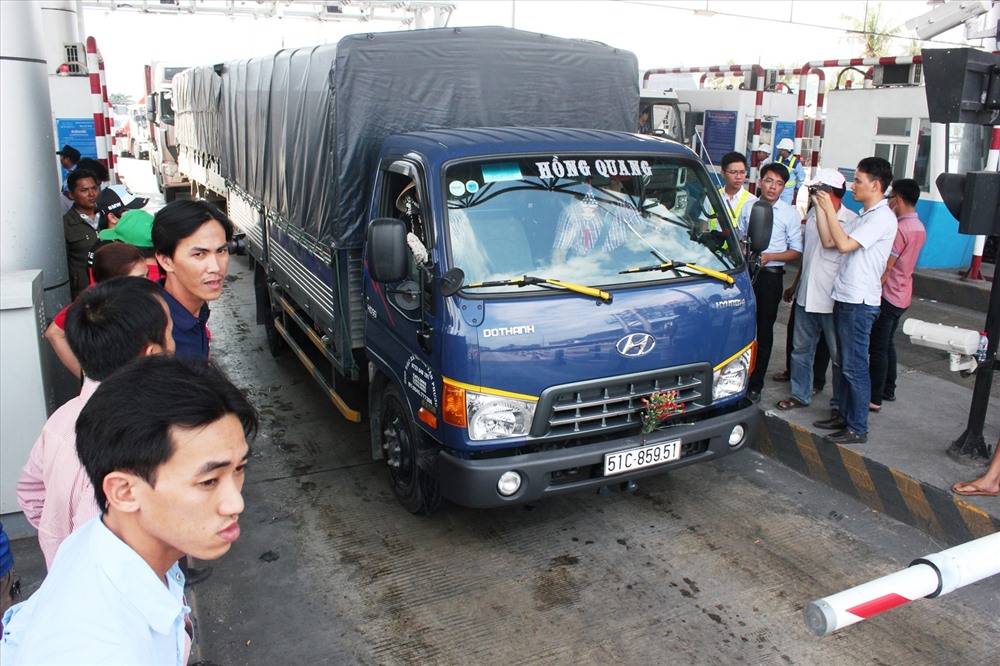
777	270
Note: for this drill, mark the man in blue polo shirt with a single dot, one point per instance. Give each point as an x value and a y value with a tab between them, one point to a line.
191	242
785	245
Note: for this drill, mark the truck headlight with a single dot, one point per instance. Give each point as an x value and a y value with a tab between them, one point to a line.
497	416
731	378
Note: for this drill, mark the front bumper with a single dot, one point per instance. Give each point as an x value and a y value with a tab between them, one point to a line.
473	483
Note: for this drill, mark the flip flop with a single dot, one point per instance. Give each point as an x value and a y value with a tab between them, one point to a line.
971	490
873	408
791	403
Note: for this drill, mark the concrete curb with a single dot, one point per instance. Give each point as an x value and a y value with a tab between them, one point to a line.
948	287
933	510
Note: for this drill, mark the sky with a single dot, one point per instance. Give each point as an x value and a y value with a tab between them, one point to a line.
662	34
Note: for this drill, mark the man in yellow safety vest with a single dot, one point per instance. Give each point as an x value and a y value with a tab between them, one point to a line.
734	174
796	172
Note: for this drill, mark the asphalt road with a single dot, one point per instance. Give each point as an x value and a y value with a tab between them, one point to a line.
711	564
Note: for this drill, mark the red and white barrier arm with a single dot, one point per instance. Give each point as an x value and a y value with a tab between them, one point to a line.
930	577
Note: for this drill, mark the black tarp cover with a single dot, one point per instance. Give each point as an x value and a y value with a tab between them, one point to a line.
302	128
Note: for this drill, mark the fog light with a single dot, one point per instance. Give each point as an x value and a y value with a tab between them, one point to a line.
737	435
509	483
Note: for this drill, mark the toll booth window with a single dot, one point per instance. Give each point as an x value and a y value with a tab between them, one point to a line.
968	147
893	126
896	154
921	164
584	219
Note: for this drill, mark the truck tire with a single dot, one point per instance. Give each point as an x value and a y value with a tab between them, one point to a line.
415	489
266	312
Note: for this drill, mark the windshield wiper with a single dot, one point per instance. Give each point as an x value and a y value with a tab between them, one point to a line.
532	280
675	265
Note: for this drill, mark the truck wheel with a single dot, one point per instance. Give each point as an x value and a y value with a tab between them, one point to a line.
416	490
265	313
275	343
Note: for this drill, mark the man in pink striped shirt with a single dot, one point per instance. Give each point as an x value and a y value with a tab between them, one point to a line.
897	290
109	325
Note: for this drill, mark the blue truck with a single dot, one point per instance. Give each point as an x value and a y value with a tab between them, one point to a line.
461	236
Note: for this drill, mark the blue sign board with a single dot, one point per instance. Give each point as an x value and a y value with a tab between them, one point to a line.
79	133
720	134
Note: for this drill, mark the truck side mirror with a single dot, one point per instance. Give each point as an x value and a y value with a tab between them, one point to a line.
151	108
759	227
387	250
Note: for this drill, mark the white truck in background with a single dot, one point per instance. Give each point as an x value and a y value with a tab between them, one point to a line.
163	149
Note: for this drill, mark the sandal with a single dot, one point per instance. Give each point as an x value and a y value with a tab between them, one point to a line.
873	408
791	403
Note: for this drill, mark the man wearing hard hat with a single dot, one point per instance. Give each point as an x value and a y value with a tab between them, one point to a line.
796	172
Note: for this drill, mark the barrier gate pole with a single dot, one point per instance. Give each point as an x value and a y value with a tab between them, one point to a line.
930	576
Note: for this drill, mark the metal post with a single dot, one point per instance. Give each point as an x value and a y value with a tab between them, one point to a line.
970	445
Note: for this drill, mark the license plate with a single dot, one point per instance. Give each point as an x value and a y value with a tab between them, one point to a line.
628	460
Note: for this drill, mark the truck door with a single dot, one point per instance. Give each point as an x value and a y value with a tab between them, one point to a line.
405	314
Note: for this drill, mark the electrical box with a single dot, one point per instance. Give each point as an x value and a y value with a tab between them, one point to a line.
963	86
974	199
897	75
23	391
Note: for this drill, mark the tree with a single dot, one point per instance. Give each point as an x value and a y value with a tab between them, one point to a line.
120	98
871	31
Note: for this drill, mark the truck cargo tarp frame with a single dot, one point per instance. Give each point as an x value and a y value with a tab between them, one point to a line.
285	127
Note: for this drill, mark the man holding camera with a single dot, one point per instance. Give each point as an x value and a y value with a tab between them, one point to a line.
813	315
191	241
785	245
864	245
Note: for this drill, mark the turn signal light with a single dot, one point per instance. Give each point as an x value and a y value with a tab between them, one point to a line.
453	406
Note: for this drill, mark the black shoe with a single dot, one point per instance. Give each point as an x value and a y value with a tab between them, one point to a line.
835	422
846	436
890	397
754	396
194	576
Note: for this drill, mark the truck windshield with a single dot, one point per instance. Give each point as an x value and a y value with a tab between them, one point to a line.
589	220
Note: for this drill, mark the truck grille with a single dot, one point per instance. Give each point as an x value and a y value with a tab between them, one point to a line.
599	406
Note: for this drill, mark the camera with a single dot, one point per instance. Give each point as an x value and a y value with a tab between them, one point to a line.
819	187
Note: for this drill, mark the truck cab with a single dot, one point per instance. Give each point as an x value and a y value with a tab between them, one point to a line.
666	115
569	276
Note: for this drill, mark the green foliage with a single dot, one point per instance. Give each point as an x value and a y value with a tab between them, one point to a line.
872	31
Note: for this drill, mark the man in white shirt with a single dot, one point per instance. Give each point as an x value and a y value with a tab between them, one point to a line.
813	301
865	245
164	442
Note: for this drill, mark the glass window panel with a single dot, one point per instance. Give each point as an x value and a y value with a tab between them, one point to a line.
893	126
968	147
921	164
584	219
